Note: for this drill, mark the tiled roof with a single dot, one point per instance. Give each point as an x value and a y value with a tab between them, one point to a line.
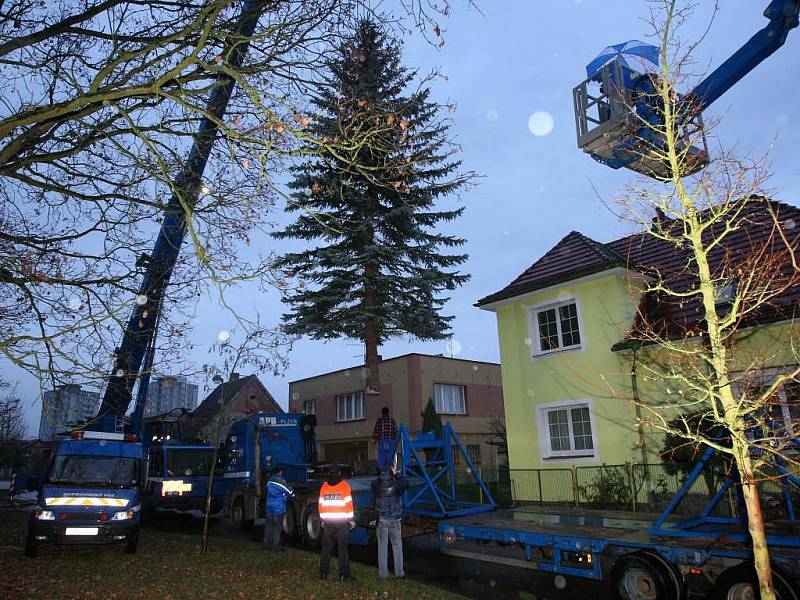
227	391
754	241
574	256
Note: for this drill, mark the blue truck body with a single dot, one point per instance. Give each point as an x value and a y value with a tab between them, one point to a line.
177	477
259	443
91	494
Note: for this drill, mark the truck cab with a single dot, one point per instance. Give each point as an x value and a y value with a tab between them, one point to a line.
91	493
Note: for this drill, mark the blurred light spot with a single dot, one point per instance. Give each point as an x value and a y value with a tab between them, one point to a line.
223	336
205	189
531	392
295	395
75	303
120	373
474	367
492	115
365	373
540	123
347	373
141	299
528	341
453	347
789	224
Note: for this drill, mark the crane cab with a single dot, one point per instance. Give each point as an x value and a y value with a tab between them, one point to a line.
619	122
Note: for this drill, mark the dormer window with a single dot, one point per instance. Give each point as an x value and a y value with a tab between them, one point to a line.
724	293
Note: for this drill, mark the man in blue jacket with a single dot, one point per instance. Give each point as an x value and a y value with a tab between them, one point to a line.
277	493
388	489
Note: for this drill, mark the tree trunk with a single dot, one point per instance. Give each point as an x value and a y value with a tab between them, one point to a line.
371	357
755	522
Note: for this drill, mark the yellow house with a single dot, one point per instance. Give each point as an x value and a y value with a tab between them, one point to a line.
574	366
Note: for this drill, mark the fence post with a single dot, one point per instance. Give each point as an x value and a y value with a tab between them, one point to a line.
575	486
539	477
633	486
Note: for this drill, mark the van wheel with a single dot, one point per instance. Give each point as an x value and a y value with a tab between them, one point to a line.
644	576
238	516
133	542
741	583
31	547
312	529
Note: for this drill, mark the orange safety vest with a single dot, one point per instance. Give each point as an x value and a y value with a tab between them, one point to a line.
336	502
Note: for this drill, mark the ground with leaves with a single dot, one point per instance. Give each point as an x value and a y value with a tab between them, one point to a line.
169	565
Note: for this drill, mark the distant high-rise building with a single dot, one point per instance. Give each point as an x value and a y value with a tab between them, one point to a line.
170	392
64	406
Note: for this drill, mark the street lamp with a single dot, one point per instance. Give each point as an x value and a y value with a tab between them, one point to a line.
217	380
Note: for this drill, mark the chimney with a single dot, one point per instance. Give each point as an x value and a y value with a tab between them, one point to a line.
234	377
659	220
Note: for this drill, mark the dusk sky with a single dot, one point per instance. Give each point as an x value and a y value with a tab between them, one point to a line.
518	59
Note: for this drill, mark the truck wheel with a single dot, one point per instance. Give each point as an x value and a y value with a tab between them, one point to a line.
31	547
238	516
644	576
289	524
133	542
312	530
741	583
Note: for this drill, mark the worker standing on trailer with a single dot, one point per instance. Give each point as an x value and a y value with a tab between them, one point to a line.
388	489
277	493
385	434
336	519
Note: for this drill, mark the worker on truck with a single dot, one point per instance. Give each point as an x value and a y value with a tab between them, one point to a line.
277	493
336	519
385	435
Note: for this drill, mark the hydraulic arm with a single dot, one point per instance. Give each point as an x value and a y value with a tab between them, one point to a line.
158	267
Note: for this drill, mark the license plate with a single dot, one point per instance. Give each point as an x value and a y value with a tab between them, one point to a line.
81	530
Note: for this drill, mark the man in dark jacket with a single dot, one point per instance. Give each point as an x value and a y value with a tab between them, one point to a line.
388	489
277	493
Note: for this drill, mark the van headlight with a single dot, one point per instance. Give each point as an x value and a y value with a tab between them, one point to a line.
44	515
122	515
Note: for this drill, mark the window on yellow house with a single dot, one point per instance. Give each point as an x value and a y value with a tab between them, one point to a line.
555	327
567	430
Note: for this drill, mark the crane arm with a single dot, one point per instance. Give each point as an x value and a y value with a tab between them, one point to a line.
783	17
159	265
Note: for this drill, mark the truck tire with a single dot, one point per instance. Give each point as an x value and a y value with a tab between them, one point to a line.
311	531
289	524
132	543
741	582
645	576
31	546
238	516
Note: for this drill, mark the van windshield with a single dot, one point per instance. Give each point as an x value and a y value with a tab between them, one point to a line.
94	470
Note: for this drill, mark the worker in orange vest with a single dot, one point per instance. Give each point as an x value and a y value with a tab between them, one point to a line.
337	519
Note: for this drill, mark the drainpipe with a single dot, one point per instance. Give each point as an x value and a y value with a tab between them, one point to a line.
636	403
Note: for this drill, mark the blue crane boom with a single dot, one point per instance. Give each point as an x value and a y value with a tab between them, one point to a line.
621	125
142	324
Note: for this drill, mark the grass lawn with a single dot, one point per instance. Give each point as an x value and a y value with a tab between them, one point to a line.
169	565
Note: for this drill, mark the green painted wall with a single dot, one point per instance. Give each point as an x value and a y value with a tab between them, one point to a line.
606	307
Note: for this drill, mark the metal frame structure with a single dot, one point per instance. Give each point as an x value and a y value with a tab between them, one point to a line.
705	525
433	491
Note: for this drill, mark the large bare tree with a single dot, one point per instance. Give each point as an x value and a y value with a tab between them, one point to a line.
100	103
707	361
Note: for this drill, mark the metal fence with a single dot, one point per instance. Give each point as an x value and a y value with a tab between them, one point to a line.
627	487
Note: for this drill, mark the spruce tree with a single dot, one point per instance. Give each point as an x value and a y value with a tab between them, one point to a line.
375	266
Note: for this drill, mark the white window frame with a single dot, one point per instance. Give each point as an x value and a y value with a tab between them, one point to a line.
463	389
572	455
533	327
313	405
352	397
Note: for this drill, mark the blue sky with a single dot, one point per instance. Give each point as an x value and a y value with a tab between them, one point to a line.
518	58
